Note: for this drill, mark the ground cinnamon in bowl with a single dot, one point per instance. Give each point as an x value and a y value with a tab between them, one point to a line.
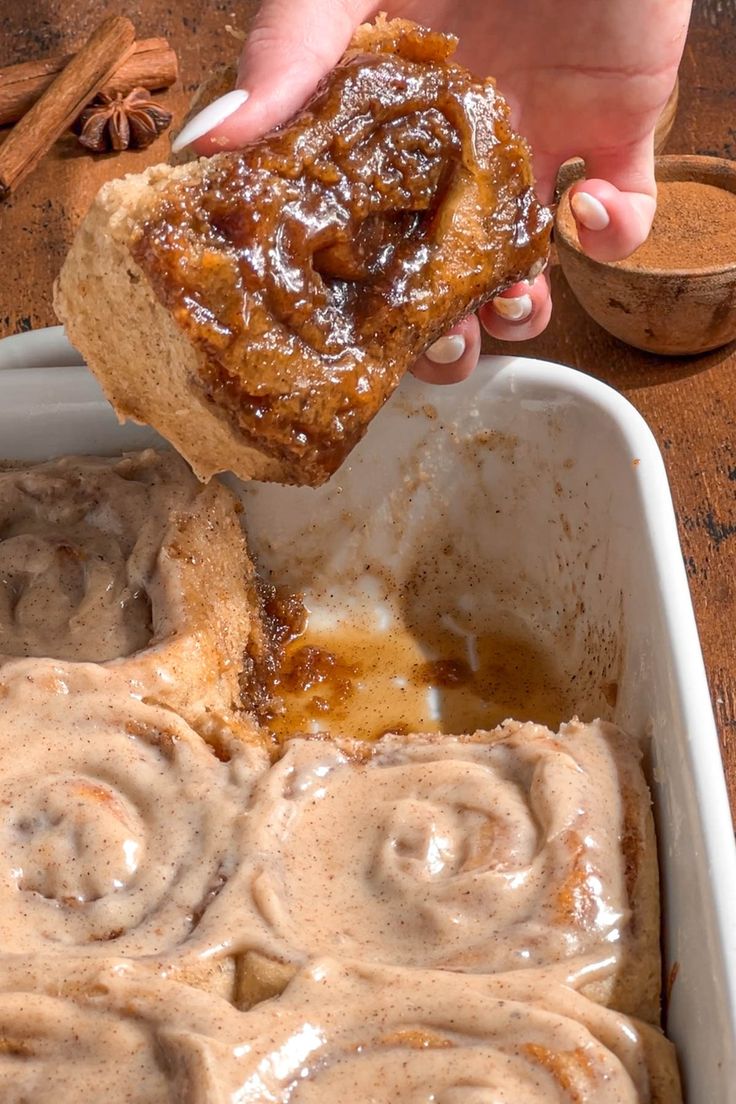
694	228
676	295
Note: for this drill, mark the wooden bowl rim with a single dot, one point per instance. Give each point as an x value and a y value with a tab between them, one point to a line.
718	171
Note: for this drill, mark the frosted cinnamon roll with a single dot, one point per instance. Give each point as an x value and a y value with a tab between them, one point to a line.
504	850
91	1035
129	562
338	1033
116	823
370	1034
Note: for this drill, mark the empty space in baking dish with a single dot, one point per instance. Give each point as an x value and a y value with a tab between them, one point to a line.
528	504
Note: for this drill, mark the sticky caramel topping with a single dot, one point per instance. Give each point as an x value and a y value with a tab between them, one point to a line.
359	680
313	267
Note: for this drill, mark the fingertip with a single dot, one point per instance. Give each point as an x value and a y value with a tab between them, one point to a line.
289	48
500	322
202	131
232	133
462	344
611	223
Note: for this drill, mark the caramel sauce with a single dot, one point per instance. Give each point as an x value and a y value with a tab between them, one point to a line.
415	1039
573	1070
362	682
311	268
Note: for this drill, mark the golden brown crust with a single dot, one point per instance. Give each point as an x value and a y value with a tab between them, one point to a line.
396	36
148	371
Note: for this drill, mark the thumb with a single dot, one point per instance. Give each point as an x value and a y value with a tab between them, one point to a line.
292	44
614	207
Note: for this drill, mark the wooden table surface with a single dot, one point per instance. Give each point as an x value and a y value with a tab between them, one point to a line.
690	403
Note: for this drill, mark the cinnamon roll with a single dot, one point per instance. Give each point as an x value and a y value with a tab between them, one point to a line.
371	1034
131	563
504	850
92	1036
103	1035
288	286
117	823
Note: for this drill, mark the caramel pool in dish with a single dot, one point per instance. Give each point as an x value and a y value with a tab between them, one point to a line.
431	677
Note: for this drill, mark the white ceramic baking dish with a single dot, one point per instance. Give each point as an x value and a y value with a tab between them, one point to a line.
530	496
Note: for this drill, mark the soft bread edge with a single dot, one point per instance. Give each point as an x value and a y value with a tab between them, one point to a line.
130	341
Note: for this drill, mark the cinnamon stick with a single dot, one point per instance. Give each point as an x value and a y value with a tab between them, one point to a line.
63	100
152	65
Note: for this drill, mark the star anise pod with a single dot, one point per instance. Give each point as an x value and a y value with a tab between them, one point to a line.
116	122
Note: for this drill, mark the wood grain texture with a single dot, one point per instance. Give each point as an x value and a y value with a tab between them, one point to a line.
690	403
60	104
38	223
152	64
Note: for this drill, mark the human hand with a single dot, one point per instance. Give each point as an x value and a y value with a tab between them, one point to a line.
582	78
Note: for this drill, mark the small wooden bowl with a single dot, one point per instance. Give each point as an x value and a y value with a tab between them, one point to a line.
658	310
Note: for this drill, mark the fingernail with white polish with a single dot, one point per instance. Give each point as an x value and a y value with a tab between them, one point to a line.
589	211
209	117
446	350
517	309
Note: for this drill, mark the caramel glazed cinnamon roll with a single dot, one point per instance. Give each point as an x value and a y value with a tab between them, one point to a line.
339	1032
511	849
117	824
288	286
131	563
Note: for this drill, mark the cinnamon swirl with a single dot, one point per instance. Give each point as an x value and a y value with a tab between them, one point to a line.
504	850
371	1034
339	1032
117	823
129	562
